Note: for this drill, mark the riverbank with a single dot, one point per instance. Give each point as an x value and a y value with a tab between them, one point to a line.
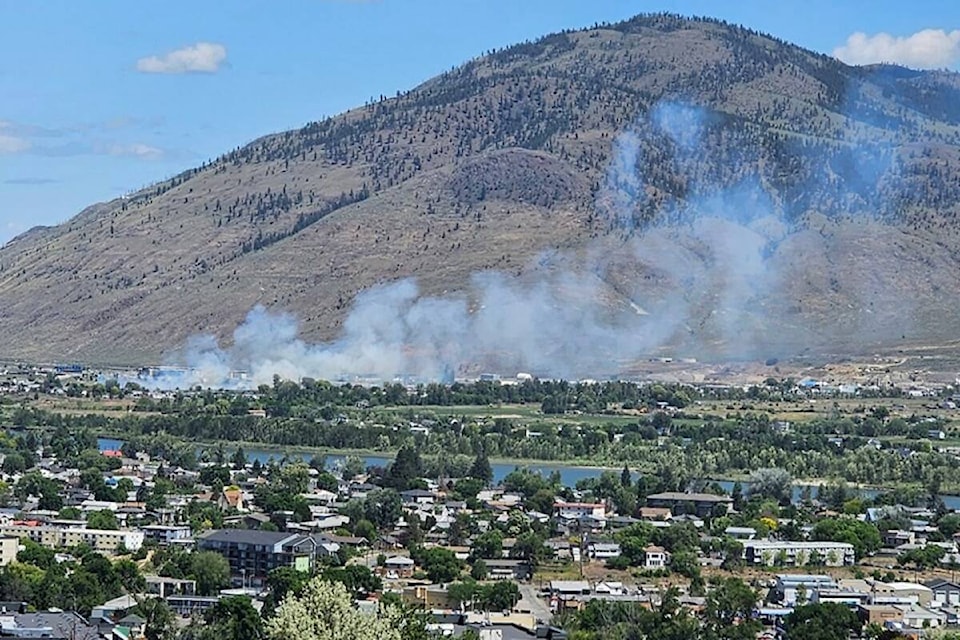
571	471
387	454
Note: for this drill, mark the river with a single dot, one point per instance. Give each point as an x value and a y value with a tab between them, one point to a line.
569	474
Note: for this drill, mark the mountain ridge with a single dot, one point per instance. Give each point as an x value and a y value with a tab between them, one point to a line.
514	156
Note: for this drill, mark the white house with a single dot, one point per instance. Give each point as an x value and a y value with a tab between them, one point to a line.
577	510
655	557
604	550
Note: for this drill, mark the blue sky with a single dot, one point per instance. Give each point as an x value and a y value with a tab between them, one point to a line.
100	98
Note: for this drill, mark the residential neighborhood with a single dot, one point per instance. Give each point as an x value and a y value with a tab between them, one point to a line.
101	533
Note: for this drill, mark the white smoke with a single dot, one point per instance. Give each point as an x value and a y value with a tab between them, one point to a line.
703	283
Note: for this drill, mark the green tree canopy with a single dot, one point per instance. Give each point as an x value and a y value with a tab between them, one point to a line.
822	621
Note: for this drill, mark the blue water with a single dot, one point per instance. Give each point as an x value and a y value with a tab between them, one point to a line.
569	474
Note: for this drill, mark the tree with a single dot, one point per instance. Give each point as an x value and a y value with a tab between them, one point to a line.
353	466
35	554
529	546
776	484
160	623
462	592
234	618
327	481
325	611
481	469
383	507
215	476
357	578
284	580
440	564
211	571
685	563
488	545
479	570
864	536
468	488
502	595
103	519
130	577
737	495
13	463
923	558
405	468
822	621
728	610
949	524
239	459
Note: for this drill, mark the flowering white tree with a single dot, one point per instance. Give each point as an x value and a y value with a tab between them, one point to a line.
325	611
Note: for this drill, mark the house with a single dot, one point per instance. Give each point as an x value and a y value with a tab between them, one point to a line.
230	497
399	566
166	534
163	586
741	533
610	588
619	522
247	520
701	504
569	587
578	510
509	570
896	537
48	624
655	513
603	550
321	496
417	497
655	557
945	592
847	597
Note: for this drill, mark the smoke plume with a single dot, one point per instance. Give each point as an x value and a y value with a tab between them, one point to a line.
699	275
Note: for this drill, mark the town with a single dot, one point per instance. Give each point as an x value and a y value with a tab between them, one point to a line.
134	513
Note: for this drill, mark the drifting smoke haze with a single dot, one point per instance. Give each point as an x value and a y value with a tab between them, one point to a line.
704	272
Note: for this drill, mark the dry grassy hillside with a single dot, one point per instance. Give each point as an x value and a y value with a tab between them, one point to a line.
505	164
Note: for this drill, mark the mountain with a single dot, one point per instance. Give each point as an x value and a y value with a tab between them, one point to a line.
732	194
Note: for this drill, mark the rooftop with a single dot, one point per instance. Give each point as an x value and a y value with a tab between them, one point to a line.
247	536
680	496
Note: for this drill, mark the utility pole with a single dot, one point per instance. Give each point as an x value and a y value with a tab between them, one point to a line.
583	538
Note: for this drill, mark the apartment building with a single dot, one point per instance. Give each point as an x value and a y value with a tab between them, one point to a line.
253	554
787	553
105	541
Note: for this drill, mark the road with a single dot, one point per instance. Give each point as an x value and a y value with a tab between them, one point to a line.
538	606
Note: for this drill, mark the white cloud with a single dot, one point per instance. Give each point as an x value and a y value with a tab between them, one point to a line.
203	57
137	149
13	144
927	49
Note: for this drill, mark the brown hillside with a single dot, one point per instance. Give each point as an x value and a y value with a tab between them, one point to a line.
505	164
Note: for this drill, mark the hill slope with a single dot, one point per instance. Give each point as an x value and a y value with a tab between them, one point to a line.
682	181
